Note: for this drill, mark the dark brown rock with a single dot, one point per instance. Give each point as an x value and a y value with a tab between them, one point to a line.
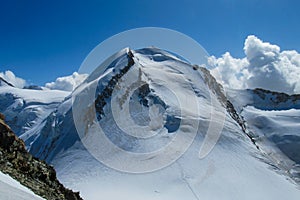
28	170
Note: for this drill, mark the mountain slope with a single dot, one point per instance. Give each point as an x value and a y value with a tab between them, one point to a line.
273	119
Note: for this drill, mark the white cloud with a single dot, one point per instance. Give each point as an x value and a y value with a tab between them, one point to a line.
230	71
67	83
10	77
264	66
256	49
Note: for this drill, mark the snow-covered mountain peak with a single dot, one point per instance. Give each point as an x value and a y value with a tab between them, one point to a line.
120	112
134	85
149	110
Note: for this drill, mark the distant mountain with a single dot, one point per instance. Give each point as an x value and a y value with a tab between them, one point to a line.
137	91
25	109
33	87
28	170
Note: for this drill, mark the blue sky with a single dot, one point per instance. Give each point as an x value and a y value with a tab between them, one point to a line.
41	40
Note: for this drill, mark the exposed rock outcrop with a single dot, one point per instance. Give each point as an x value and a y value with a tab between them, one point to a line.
217	88
28	170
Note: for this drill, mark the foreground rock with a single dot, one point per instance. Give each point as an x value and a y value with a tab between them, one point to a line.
29	171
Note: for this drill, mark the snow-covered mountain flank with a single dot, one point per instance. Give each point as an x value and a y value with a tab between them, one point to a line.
134	129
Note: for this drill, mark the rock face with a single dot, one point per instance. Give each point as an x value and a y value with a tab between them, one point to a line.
270	100
219	91
29	171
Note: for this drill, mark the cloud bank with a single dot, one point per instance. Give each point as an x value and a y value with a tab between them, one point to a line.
67	83
10	77
264	66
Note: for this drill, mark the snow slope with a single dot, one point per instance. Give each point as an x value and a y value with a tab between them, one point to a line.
10	189
274	120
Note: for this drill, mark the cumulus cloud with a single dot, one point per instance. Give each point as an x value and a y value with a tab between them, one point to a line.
67	83
230	71
264	66
11	78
